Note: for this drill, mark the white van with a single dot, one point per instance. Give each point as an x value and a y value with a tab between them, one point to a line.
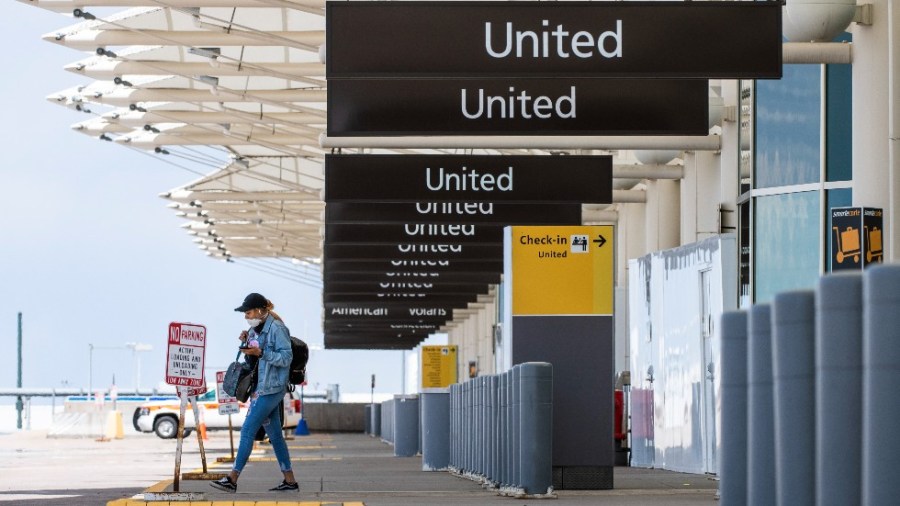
161	417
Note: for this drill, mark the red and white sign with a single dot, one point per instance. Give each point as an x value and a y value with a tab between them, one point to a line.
184	359
227	405
193	391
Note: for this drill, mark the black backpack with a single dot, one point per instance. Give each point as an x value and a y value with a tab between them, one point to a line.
297	372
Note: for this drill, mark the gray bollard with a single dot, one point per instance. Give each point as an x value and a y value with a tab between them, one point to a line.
485	415
435	408
881	384
839	389
498	424
794	394
387	422
491	425
516	460
760	408
406	425
454	426
376	419
470	424
367	419
733	462
478	415
536	432
504	429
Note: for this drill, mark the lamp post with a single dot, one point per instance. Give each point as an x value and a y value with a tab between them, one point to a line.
136	360
136	347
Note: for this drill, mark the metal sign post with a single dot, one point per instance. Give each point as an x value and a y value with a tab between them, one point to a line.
180	440
227	406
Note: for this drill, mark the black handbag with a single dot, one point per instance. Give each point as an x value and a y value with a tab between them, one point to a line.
246	383
240	379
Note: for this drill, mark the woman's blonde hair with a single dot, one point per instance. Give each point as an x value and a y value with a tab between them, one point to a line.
269	308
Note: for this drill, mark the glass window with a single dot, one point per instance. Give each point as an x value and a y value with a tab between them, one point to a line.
788	128
842	197
786	243
838	123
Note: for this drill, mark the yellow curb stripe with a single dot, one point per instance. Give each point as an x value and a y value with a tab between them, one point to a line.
159	487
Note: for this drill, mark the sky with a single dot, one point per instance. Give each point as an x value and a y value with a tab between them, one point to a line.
90	253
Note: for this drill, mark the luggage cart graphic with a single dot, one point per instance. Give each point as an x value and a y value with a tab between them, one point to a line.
848	244
873	244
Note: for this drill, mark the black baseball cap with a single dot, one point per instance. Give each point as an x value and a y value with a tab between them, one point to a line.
252	301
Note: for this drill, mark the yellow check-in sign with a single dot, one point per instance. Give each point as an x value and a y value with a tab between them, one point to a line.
562	270
438	366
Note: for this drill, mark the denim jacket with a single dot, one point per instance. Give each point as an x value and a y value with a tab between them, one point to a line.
275	343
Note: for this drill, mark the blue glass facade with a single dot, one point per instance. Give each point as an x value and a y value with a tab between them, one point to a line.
791	228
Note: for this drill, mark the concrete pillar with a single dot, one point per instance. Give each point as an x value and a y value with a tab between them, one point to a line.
700	199
729	157
875	60
794	394
733	463
760	422
881	383
662	223
839	389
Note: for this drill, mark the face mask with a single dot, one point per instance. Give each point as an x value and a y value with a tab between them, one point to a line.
253	322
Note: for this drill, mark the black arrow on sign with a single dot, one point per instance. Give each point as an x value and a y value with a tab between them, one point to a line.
600	241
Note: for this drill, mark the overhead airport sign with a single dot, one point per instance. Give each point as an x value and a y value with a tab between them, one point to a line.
388	107
411	327
403	287
414	276
389	311
374	341
463	178
454	212
706	40
398	266
396	233
430	298
414	251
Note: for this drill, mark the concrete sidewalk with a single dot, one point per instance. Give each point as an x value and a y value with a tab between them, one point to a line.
356	469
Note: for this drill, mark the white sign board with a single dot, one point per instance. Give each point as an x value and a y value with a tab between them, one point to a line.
227	405
184	359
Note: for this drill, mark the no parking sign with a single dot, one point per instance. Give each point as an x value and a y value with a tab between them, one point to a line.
186	352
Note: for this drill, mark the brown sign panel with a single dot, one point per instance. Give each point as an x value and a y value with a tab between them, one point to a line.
705	40
413	276
416	297
551	106
397	233
403	287
454	212
381	266
415	251
468	178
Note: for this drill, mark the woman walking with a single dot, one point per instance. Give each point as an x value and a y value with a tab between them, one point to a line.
268	341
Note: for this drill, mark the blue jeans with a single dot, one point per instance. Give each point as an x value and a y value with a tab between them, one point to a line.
263	412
